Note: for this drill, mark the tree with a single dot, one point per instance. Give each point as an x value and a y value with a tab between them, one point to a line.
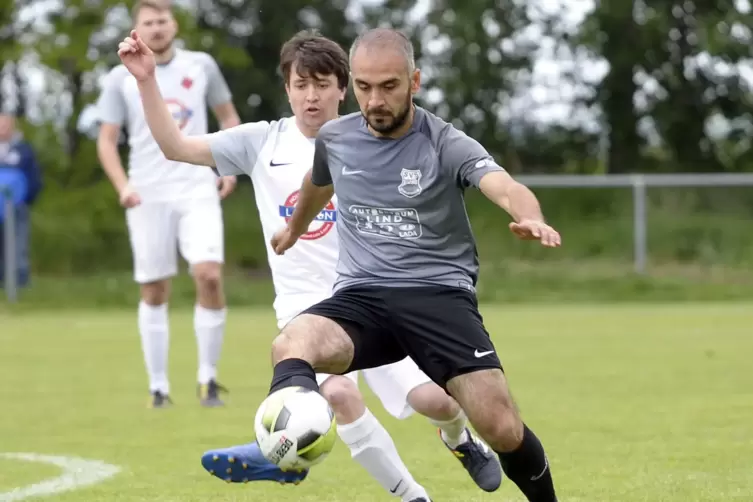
260	29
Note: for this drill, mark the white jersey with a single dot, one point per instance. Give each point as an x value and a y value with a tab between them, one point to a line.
276	156
189	82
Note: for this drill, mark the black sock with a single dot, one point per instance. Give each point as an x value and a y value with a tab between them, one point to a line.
528	468
291	373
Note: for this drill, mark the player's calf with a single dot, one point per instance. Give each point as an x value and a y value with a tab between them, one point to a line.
485	397
154	331
209	325
368	441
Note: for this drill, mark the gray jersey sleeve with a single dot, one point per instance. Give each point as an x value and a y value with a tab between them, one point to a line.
218	92
235	150
320	175
111	105
465	158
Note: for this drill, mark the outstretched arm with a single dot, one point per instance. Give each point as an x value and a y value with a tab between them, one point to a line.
472	165
512	196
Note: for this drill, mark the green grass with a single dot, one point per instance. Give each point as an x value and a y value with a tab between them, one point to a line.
23	474
634	403
505	281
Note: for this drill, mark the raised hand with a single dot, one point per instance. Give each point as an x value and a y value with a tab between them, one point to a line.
137	57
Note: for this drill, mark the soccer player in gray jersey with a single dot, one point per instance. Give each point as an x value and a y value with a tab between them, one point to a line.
408	261
315	71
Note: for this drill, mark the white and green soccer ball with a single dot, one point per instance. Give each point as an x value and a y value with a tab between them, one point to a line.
295	428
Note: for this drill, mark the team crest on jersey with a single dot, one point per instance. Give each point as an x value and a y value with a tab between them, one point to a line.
180	112
321	225
186	82
411	182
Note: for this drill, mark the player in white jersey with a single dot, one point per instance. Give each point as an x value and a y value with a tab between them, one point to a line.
277	155
170	204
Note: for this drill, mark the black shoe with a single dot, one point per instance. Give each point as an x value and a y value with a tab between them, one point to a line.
159	400
210	394
480	462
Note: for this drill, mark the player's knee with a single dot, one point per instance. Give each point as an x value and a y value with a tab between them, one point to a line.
208	276
343	396
155	293
499	425
284	348
317	340
431	401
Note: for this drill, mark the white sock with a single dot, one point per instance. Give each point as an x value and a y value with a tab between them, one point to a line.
371	446
453	431
155	338
210	330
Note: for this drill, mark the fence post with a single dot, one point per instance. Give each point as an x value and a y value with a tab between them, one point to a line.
639	224
9	254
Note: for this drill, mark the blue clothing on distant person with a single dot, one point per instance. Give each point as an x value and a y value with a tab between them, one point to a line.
19	174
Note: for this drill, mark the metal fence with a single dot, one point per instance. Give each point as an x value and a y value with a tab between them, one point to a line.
9	242
637	182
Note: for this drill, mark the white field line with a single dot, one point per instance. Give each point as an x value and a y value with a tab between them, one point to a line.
77	473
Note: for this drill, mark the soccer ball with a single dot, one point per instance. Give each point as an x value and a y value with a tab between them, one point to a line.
295	428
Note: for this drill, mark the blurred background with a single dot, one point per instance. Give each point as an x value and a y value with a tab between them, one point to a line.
550	87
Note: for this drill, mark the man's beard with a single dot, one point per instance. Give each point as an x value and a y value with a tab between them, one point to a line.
397	120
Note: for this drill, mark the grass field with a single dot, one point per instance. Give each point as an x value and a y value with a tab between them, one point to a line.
633	403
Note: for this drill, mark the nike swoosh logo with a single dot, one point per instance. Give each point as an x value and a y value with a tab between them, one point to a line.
396	486
546	466
347	172
275	164
482	354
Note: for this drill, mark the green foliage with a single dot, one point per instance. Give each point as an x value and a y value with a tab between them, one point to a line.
472	55
689	49
697	250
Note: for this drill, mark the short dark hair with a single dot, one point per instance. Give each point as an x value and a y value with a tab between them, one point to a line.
158	5
314	54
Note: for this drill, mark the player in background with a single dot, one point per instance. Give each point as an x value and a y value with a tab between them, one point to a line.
169	204
277	155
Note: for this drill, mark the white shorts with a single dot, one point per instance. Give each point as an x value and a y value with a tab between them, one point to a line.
158	230
391	383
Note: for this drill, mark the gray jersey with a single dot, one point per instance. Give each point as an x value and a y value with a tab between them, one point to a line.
401	216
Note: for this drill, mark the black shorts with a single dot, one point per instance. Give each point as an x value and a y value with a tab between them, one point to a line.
440	328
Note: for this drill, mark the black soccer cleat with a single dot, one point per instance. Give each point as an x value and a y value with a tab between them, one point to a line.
209	394
480	462
159	400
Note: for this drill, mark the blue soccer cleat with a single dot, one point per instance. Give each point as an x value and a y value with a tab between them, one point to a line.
244	463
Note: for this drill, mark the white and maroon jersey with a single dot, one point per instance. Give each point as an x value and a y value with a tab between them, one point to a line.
276	155
188	83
